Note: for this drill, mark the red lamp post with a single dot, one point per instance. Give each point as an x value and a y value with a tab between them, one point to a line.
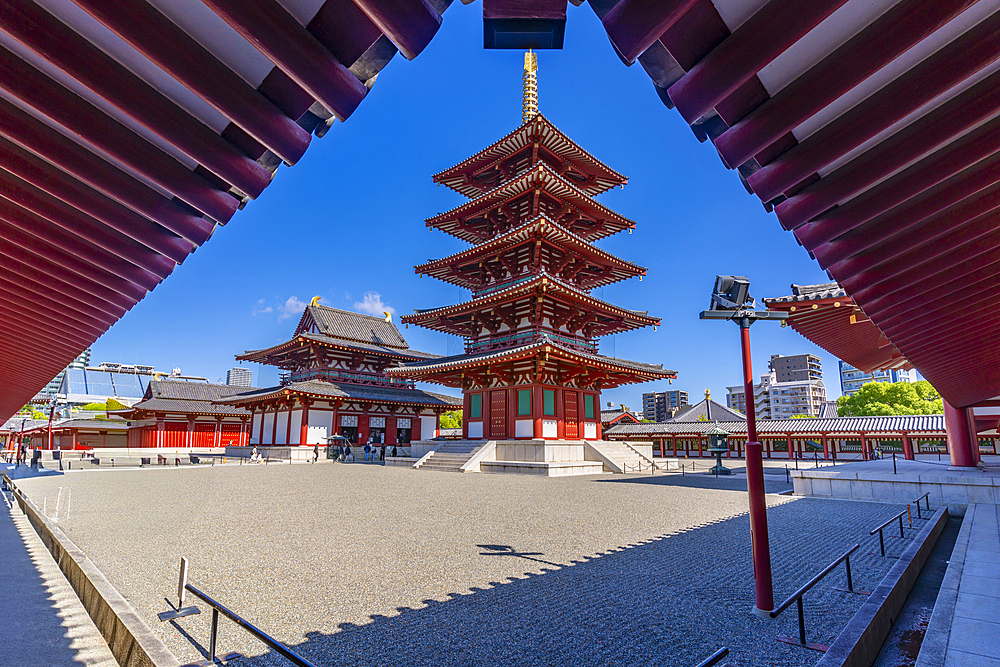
731	300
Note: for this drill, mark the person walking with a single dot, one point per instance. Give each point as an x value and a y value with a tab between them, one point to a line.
348	457
315	452
368	450
381	454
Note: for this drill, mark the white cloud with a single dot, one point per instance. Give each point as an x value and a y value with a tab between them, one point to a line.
292	308
372	304
260	308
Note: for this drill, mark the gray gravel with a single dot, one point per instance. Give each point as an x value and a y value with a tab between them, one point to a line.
364	565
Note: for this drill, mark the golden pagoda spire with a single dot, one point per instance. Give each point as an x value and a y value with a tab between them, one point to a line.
529	108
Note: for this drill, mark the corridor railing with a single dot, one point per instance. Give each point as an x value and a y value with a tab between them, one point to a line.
714	658
879	529
219	608
797	597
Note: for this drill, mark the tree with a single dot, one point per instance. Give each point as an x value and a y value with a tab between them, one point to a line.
95	407
891	398
451	419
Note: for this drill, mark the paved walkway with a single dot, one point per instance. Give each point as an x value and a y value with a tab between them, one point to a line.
965	628
44	624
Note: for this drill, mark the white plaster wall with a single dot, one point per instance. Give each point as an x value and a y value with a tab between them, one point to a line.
427	430
589	431
281	432
475	430
524	428
268	424
296	433
550	428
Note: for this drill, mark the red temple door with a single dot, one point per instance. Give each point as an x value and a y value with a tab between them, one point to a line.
498	414
571	408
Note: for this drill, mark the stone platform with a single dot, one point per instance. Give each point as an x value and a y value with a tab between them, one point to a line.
549	458
875	480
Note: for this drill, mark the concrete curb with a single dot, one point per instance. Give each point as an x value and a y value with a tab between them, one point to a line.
132	643
858	645
934	647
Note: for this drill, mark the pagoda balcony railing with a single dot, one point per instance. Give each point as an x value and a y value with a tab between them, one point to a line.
346	377
505	340
500	286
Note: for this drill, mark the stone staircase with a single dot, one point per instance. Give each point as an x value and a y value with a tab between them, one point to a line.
450	457
626	458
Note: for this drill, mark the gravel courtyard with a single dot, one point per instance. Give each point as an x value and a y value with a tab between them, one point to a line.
364	565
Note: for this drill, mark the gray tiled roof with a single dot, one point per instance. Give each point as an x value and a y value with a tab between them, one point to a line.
182	406
828	410
444	362
194	391
707	410
349	391
611	415
810	293
101	424
353	326
848	426
374	347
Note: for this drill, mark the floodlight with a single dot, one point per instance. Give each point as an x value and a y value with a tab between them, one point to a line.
730	293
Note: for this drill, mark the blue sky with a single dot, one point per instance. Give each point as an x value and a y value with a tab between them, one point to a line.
347	220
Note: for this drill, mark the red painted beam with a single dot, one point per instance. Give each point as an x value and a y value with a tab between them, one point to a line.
983	280
275	33
20	257
934	178
925	244
939	72
81	117
924	174
633	25
48	317
64	48
762	38
29	327
177	53
38	173
43	293
902	222
51	286
80	224
72	158
409	24
51	355
974	327
950	120
13	216
878	44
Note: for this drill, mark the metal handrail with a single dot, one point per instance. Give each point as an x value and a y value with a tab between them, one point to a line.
878	529
797	595
714	658
926	498
218	607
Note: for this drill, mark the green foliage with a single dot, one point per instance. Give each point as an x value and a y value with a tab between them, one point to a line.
95	407
891	399
38	414
702	418
802	417
646	421
452	419
115	405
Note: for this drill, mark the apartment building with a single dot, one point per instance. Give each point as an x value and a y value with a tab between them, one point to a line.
661	405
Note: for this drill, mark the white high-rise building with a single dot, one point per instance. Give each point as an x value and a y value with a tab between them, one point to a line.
239	377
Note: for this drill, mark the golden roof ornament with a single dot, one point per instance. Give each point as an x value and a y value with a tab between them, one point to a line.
529	107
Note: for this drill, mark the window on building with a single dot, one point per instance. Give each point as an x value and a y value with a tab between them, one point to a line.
588	407
524	402
548	402
476	406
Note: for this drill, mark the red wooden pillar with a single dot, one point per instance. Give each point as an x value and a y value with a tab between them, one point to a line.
364	428
304	428
160	427
391	436
791	447
466	412
189	434
663	453
260	436
961	431
560	414
335	422
864	447
537	407
673	439
511	412
274	424
826	447
907	447
699	446
437	423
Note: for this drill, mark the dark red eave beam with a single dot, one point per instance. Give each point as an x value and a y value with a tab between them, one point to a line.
758	41
275	33
883	40
634	25
938	73
409	24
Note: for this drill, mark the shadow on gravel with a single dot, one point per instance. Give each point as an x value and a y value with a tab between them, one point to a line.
700	480
668	601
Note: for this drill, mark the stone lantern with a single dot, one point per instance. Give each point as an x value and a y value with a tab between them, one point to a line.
718	445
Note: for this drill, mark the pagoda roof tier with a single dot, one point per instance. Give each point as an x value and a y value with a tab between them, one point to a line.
545	360
292	352
490	166
535	191
504	256
535	298
345	392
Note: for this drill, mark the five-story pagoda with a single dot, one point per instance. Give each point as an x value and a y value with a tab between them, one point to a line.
531	367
